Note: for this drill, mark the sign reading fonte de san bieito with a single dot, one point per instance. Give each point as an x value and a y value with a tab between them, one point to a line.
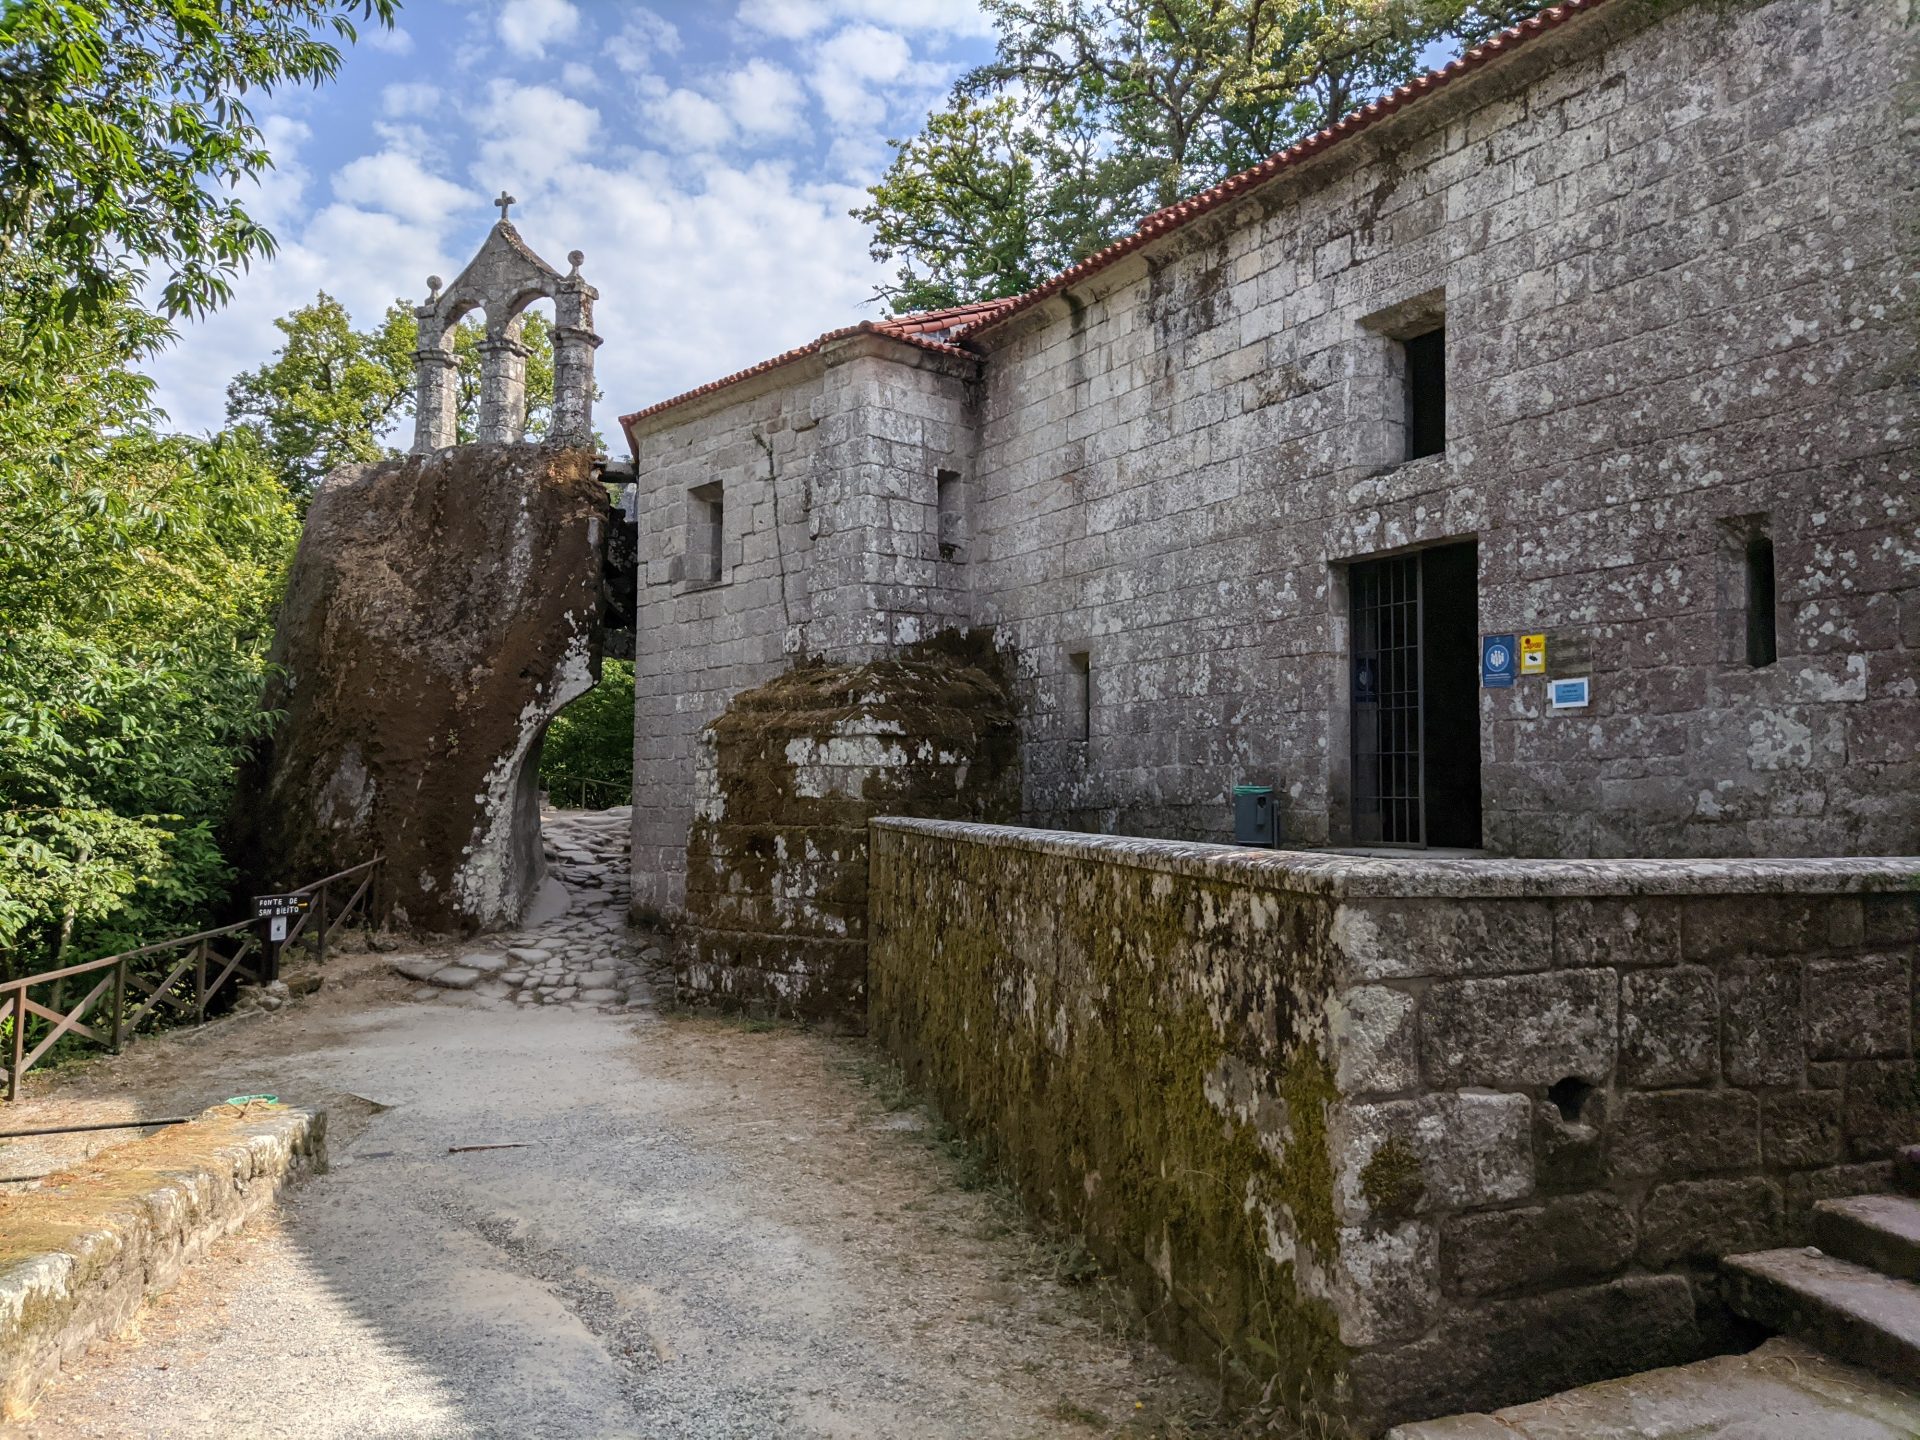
278	911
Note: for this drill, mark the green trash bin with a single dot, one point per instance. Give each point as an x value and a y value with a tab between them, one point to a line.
1254	819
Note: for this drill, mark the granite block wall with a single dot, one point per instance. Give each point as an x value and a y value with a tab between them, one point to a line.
1675	254
827	475
1675	249
1441	1135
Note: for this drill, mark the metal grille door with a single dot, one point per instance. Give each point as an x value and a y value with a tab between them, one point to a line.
1388	804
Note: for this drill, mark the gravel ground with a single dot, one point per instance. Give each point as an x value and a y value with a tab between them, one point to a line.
711	1230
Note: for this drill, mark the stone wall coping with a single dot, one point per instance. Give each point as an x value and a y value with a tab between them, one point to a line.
82	1253
1344	876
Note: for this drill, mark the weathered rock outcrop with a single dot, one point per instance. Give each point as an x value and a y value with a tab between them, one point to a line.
789	777
442	609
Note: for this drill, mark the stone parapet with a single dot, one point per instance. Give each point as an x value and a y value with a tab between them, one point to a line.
1419	1135
81	1254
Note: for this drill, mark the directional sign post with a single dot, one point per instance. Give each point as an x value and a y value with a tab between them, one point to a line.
277	912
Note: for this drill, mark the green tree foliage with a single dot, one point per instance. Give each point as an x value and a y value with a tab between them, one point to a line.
124	128
333	394
138	571
1094	113
587	757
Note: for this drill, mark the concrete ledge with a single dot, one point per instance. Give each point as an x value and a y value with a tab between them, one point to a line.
1311	872
79	1256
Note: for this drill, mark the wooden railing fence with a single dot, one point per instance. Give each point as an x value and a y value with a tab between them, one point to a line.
185	985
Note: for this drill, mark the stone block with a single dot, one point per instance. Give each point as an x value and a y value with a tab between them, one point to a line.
1762	1022
1570	1153
1882	1108
1507	1351
1701	1220
1859	1009
1375	1041
1435	1152
1800	1128
1891	919
1720	927
1519	1030
1686	1132
1441	936
1574	1238
1386	1287
1626	933
1669	1026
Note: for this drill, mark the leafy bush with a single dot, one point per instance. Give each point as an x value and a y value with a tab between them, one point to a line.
587	760
138	574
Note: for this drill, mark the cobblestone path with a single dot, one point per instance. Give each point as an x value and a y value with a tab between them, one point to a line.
575	948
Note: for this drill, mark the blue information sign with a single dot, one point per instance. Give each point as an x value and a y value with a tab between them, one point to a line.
1497	661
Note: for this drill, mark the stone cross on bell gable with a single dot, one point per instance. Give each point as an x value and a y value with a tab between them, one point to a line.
503	202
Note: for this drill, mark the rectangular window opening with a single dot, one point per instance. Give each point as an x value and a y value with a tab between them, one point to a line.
1762	638
706	533
950	501
1079	705
1426	372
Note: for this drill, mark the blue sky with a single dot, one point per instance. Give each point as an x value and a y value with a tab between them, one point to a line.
704	157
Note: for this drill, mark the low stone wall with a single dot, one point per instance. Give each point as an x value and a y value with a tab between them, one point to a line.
80	1255
1418	1136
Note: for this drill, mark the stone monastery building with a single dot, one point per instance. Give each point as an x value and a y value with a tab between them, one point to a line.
1605	333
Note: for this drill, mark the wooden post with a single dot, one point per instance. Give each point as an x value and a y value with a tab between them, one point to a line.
200	981
320	903
19	1041
119	1001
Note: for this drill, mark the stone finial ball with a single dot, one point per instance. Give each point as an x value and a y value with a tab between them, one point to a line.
574	257
434	282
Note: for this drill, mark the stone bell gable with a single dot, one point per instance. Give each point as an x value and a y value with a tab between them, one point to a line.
500	282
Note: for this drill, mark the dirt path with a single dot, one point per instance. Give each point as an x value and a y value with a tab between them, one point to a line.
712	1230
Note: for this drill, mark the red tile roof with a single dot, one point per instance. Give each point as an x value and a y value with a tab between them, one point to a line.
922	329
947	330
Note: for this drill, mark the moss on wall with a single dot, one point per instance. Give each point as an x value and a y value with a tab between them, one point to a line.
1142	1055
777	855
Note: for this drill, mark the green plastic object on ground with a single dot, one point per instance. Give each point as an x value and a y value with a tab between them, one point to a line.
249	1099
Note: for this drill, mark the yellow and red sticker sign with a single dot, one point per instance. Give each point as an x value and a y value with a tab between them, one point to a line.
1533	654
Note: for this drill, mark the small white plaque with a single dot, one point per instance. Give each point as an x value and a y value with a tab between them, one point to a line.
1572	694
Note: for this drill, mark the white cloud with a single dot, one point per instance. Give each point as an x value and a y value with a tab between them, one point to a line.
527	27
275	197
527	131
763	99
797	19
413	97
576	76
644	37
854	68
691	120
397	184
394	42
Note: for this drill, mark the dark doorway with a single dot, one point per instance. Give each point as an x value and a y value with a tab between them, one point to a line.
1416	699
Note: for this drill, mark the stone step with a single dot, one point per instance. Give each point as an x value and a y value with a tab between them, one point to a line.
1906	1170
1847	1310
1881	1232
